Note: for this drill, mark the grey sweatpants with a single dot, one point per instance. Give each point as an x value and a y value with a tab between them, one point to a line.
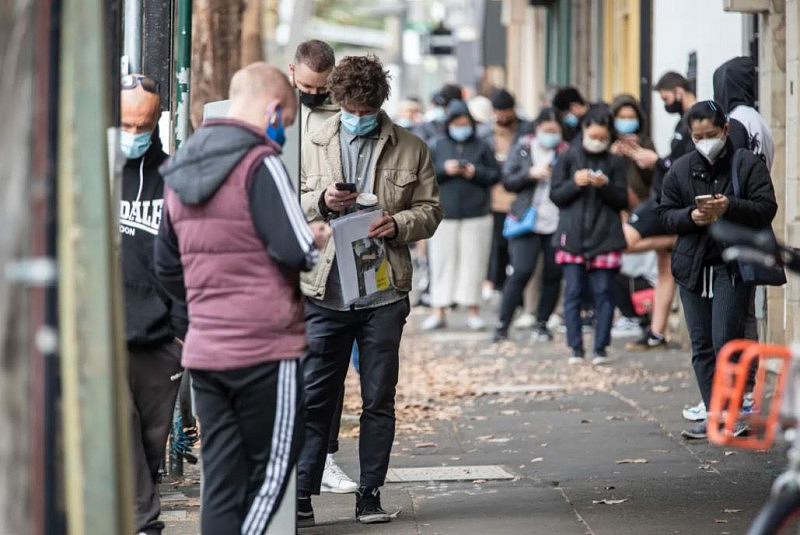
154	375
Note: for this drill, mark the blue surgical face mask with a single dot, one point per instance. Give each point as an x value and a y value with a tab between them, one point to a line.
134	145
460	133
548	140
626	126
571	120
438	114
275	129
358	126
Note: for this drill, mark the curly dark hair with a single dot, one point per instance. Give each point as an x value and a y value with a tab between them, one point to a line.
359	80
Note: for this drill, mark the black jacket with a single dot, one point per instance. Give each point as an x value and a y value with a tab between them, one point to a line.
152	318
462	198
589	223
516	174
691	176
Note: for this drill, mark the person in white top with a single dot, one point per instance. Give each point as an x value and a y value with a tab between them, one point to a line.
735	88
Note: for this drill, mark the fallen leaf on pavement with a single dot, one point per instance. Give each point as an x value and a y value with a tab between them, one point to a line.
632	461
537	460
729	453
606	501
499	440
731	511
425	445
720	521
485	437
661	389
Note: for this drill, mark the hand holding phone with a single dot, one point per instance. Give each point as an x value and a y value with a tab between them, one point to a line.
346	186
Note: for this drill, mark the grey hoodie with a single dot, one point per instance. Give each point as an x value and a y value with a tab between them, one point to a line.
197	170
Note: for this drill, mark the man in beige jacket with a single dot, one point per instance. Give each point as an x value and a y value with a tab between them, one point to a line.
360	146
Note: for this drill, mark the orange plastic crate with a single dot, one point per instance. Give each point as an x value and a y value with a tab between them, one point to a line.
734	363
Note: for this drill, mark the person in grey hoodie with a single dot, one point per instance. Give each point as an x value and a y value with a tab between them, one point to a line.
232	243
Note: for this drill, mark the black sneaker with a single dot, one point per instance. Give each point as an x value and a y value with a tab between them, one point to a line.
600	357
541	333
698	432
647	342
500	333
368	506
305	513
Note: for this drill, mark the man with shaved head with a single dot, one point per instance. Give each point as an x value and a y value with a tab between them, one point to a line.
232	243
153	319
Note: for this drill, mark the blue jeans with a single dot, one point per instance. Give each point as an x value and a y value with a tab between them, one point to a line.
601	282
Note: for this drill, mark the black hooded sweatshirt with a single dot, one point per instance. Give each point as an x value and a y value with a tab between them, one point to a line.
152	318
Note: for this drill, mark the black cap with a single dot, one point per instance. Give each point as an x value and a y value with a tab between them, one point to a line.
502	100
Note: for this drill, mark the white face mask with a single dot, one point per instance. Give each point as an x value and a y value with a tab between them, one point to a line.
710	148
595	146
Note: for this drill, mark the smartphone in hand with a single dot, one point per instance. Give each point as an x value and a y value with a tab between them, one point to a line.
701	200
346	186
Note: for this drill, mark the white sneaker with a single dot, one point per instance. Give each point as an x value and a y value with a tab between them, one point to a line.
576	361
600	361
335	480
626	328
525	321
695	414
432	323
475	323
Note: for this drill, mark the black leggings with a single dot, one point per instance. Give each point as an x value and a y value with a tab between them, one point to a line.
524	255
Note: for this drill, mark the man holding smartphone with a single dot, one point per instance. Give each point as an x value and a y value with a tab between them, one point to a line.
360	146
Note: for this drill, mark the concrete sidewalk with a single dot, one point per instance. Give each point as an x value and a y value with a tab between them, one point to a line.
559	431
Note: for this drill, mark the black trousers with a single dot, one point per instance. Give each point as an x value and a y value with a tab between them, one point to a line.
252	429
525	252
499	257
330	342
712	322
336	425
154	375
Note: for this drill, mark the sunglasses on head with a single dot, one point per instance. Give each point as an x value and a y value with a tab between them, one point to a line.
130	81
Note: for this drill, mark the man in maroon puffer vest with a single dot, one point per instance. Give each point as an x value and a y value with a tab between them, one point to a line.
232	243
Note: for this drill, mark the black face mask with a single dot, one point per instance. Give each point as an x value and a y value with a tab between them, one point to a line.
675	107
312	101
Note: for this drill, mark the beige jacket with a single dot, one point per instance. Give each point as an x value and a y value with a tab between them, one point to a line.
405	184
314	118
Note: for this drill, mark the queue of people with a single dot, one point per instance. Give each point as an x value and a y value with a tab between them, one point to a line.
229	277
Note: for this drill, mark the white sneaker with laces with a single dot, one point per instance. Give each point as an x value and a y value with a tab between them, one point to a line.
525	321
475	323
695	414
432	323
334	480
626	328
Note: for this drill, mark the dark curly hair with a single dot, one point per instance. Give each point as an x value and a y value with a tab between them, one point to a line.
359	80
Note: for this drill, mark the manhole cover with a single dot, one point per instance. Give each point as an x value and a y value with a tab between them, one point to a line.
448	473
520	389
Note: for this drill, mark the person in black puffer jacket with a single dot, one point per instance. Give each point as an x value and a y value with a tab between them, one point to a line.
590	187
714	299
527	172
459	251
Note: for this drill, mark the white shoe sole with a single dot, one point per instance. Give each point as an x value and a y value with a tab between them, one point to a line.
601	361
338	490
375	519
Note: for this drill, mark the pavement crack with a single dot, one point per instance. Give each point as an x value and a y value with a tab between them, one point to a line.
414	512
647	415
589	530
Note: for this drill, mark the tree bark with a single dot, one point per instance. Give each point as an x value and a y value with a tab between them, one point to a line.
226	35
16	53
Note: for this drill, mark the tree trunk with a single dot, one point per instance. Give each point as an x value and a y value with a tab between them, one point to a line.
226	35
16	52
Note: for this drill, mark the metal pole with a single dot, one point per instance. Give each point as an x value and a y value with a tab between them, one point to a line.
98	482
132	46
182	126
183	69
